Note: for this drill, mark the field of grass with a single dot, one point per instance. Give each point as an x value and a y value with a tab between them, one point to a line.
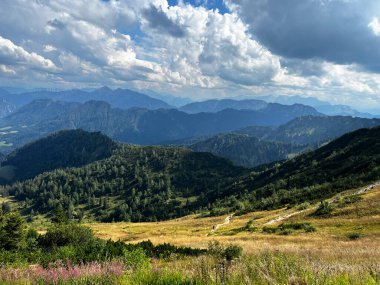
349	235
285	246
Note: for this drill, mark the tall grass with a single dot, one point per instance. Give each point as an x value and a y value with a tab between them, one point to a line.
265	268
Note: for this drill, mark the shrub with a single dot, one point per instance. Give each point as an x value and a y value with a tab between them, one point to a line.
354	236
285	232
324	209
66	234
309	228
136	259
229	253
303	206
233	252
349	200
269	230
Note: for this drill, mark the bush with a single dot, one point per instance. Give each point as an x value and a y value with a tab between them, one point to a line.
324	209
303	206
287	229
229	253
233	252
136	259
354	236
349	200
269	230
285	232
66	234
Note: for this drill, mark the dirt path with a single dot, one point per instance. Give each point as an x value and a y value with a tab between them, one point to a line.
227	220
368	188
283	217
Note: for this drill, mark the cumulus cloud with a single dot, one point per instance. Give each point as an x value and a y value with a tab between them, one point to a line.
12	54
333	30
159	20
216	49
313	47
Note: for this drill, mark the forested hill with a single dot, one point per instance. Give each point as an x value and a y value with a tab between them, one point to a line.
63	149
154	183
347	162
245	150
135	183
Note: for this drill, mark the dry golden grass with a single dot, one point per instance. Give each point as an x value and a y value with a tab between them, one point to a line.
329	243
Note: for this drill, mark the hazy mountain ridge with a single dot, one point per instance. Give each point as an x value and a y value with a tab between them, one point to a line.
321	106
136	125
311	130
120	98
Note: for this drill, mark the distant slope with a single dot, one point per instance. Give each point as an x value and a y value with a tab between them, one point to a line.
244	150
119	98
321	106
64	149
347	162
5	106
256	145
311	130
213	106
141	126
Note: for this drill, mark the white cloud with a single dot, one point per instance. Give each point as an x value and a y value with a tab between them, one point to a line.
216	50
91	42
9	52
7	70
49	48
374	25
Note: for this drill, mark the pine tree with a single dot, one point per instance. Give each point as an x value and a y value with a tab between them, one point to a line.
60	216
12	231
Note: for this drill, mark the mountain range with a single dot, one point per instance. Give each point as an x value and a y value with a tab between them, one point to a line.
120	98
135	125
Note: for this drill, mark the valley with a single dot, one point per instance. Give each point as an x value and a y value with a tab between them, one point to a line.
189	142
203	197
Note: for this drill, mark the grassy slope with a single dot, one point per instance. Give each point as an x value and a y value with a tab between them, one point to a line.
329	242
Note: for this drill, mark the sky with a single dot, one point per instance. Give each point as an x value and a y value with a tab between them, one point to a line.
201	49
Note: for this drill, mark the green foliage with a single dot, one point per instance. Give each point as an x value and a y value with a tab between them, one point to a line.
303	206
348	162
289	228
232	252
60	216
354	236
324	209
220	252
12	234
66	234
134	184
347	200
245	150
136	259
157	183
